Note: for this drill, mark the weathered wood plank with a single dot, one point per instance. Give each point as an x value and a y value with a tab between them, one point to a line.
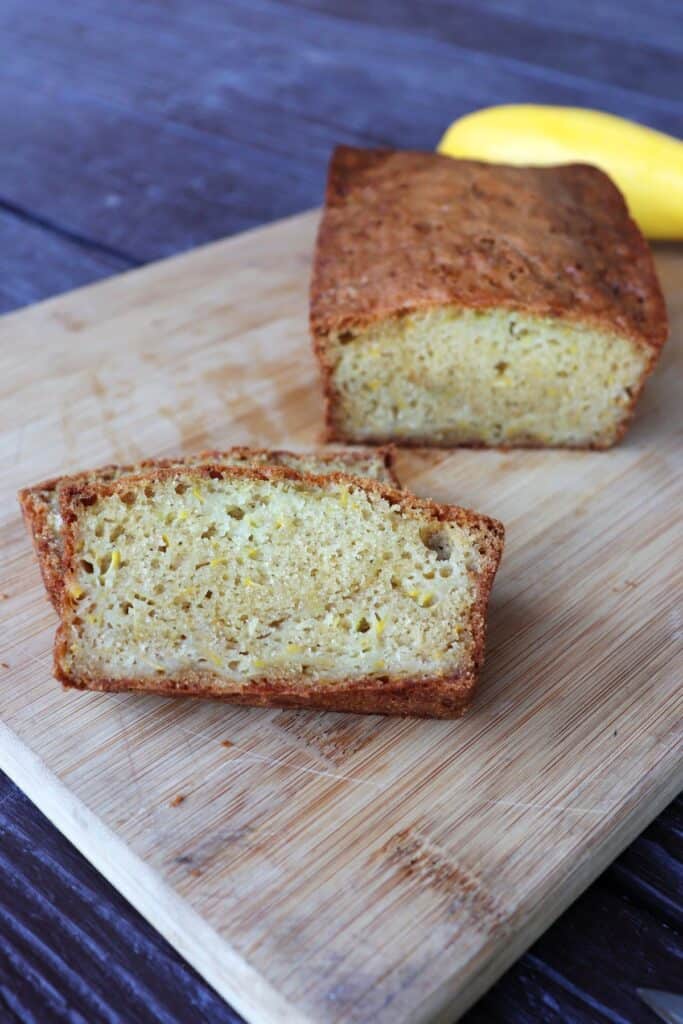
316	62
165	189
217	126
648	68
658	23
36	261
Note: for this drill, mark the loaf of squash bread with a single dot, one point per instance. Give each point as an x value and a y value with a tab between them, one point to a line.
456	302
271	587
40	504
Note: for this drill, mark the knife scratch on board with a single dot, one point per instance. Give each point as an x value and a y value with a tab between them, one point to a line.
280	763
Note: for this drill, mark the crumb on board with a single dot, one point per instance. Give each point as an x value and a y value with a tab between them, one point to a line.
227	743
4	664
4	597
177	800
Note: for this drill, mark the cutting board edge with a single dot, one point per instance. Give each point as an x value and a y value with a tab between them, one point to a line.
447	1004
236	980
222	967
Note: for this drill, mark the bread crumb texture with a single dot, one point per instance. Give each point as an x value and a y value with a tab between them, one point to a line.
495	377
233	579
41	503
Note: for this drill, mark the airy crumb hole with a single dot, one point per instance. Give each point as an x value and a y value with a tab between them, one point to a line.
437	542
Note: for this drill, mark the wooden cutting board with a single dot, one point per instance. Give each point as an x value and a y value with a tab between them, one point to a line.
320	867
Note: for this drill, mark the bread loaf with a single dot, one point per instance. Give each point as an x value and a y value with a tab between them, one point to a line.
271	587
40	504
456	302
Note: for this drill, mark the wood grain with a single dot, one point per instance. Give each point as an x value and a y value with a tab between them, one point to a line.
354	869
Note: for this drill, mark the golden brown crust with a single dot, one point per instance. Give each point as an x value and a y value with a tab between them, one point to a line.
404	231
36	501
446	696
449	697
34	510
387	452
407	231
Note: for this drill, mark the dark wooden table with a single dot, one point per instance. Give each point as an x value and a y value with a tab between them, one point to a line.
132	130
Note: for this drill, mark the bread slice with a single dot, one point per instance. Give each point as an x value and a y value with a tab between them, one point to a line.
271	587
456	302
40	504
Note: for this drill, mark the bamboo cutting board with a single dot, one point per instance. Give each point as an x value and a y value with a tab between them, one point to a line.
321	867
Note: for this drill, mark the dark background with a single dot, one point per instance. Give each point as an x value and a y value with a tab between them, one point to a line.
132	129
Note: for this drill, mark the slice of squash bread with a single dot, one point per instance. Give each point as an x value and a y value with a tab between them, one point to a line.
270	587
456	302
40	503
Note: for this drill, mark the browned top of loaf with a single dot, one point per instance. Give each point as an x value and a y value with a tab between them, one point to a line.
405	231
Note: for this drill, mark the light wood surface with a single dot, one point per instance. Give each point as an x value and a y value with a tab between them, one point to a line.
320	867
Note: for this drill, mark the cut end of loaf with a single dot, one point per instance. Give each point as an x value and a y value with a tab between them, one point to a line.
266	586
495	377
